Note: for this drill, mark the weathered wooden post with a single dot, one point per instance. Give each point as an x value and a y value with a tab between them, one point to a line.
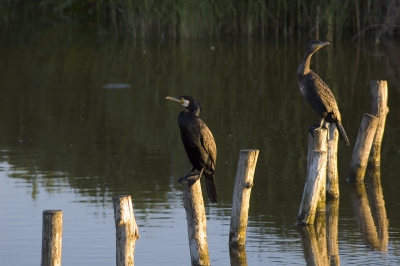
379	92
196	222
332	179
362	148
314	193
52	237
241	196
127	231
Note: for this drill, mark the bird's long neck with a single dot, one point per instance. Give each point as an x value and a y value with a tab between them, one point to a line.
304	67
192	112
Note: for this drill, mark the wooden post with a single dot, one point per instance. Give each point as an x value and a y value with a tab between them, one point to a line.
241	196
362	148
52	237
313	189
317	141
332	179
196	222
127	231
314	193
379	92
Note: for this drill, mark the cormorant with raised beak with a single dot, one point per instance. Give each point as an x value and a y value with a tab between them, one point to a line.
317	93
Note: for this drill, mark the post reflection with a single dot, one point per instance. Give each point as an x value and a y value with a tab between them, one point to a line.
370	211
320	240
238	255
313	241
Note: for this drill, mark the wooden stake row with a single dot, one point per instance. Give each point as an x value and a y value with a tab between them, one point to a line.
127	231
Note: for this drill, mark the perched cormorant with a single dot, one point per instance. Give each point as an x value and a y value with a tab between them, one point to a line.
198	142
317	93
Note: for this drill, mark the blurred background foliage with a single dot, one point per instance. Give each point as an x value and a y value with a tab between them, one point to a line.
331	19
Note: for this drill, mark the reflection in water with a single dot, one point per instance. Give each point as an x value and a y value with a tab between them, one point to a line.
370	211
332	221
237	255
320	240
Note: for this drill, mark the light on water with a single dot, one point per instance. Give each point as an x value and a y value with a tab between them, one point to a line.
79	128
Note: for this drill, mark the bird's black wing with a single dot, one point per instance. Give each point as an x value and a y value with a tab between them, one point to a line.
208	142
326	96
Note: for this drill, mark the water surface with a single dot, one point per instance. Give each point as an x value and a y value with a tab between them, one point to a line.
84	118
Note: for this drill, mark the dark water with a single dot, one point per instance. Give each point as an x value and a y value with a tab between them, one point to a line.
71	140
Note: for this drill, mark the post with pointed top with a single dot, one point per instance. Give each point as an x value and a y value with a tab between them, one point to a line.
52	237
379	92
241	196
196	222
127	231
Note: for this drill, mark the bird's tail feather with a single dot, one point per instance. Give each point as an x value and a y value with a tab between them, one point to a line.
211	188
342	134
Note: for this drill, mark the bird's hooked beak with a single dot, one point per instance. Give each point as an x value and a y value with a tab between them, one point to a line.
180	100
322	44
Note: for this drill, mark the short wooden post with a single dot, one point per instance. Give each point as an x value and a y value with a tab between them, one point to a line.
362	148
52	237
379	92
196	222
332	178
314	189
127	231
241	196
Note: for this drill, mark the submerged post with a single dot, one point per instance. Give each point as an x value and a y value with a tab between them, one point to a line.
241	196
127	231
379	92
362	148
196	222
51	237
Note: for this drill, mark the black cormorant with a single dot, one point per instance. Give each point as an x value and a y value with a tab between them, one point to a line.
317	93
198	142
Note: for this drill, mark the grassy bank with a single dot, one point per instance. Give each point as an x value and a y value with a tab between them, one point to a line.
329	20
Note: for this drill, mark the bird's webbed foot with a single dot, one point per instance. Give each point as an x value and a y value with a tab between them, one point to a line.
190	178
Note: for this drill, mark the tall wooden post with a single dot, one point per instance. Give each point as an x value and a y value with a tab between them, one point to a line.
127	231
52	237
379	92
362	148
196	222
241	196
332	178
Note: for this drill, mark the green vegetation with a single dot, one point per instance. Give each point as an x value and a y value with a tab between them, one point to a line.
214	18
